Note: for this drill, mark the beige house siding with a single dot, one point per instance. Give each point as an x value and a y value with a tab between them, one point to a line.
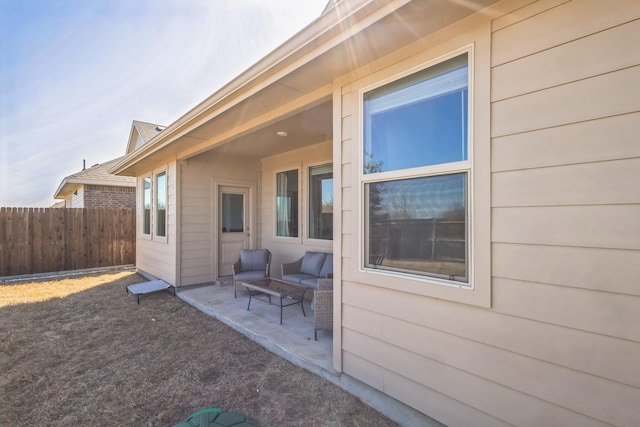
201	176
75	200
157	255
560	342
289	249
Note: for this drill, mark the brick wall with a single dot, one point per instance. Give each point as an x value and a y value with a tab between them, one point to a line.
103	196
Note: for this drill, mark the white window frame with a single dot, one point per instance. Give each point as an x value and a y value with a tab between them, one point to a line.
153	221
303	204
307	203
477	44
465	166
148	235
294	239
156	236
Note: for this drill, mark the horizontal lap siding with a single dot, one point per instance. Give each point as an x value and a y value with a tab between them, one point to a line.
610	182
506	360
566	198
597	226
196	252
561	343
198	248
158	256
512	334
606	313
567	144
347	195
532	31
617	93
569	62
577	267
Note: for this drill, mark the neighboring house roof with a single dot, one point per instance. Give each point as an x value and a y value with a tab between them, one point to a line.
96	175
141	133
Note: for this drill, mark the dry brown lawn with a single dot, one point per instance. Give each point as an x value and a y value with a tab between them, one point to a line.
79	351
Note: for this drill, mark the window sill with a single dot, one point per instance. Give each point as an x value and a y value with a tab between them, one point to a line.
474	293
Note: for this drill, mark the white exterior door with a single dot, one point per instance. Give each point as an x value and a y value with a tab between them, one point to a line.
234	226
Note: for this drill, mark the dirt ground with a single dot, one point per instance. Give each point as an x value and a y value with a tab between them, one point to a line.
79	351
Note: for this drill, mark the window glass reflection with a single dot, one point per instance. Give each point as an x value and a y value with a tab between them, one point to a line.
321	202
232	213
419	225
420	120
287	204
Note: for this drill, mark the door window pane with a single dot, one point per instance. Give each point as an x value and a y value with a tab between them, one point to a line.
321	202
418	225
287	204
232	213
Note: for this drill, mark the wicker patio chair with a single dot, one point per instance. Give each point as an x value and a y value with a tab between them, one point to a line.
323	307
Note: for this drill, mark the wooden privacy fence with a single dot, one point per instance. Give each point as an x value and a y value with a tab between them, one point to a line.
40	240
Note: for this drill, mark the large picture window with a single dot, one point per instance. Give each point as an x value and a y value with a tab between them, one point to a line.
321	202
416	173
287	204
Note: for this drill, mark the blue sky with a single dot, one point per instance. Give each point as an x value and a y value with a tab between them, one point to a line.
74	74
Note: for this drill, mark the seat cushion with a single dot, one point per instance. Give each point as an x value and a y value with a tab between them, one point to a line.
254	259
251	275
297	278
310	283
327	266
312	263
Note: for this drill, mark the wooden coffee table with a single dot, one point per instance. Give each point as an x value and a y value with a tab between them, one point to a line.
276	288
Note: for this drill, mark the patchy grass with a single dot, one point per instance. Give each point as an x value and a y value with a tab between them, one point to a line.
79	351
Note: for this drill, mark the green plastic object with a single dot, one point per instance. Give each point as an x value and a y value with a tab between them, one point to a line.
214	417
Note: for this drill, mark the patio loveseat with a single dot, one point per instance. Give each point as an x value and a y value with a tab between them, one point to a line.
307	270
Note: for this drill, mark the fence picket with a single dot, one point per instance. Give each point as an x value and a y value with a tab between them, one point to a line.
40	240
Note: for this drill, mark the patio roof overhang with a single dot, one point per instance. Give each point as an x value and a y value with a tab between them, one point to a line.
291	89
66	188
